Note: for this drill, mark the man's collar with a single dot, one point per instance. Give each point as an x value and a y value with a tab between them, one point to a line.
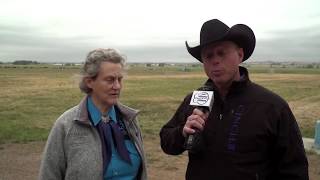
244	78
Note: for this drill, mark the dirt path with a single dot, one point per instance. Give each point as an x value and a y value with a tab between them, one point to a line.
21	161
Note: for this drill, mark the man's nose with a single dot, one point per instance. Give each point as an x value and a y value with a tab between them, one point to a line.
214	59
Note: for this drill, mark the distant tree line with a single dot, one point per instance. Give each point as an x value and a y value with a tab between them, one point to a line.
24	62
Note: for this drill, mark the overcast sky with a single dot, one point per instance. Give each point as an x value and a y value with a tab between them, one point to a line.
152	31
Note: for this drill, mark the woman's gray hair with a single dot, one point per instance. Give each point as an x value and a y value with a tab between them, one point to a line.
92	64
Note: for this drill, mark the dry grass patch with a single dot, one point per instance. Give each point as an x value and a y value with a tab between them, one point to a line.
285	77
171	76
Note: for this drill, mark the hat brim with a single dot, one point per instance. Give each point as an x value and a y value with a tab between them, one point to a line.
241	34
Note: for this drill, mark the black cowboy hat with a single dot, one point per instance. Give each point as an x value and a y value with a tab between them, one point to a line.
214	31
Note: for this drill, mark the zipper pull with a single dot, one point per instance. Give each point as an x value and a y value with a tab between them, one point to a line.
221	116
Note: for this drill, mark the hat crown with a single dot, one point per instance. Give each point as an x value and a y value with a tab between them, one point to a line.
212	30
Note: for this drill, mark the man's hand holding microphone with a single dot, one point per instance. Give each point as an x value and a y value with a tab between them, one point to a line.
202	99
195	122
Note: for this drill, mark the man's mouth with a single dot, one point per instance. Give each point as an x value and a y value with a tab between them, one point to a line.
217	72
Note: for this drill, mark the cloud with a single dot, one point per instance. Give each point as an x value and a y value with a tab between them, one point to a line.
299	44
27	42
41	43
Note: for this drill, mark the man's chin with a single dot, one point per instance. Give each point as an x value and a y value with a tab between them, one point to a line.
220	81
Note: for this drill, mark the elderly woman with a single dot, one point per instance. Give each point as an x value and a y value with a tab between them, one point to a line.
99	138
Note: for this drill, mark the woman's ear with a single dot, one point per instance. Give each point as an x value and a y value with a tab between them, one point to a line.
89	82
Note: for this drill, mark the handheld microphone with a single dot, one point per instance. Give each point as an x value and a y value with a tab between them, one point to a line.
203	100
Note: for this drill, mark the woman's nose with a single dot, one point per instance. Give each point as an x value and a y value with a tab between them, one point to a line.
116	84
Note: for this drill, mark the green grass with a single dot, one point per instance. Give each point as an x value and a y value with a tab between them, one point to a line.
157	99
283	69
31	99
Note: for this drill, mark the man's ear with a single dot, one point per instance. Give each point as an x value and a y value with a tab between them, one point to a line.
240	54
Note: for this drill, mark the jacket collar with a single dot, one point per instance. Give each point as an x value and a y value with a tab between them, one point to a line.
236	85
83	115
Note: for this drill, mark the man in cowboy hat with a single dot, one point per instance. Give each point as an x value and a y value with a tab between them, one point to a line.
250	133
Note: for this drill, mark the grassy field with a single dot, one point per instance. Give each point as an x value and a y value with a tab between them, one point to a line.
31	99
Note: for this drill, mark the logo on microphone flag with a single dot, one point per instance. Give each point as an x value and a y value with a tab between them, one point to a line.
201	98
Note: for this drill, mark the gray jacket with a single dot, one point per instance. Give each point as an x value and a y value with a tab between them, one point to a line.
73	150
